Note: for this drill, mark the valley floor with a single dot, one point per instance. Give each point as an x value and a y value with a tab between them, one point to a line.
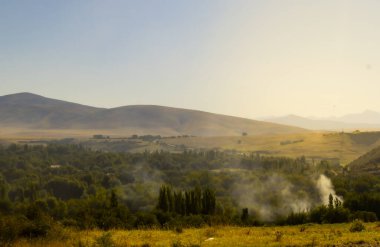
305	235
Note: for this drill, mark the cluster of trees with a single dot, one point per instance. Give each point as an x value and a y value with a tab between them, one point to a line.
334	212
361	192
43	185
190	202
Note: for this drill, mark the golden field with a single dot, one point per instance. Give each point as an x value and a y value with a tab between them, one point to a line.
316	145
342	147
305	235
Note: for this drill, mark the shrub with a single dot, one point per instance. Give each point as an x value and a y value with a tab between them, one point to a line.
179	229
145	220
105	240
11	228
177	243
34	229
278	236
357	226
364	216
194	221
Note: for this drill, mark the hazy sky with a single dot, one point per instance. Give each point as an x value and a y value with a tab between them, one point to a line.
244	58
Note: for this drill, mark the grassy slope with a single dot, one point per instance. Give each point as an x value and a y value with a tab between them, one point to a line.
314	145
312	235
369	162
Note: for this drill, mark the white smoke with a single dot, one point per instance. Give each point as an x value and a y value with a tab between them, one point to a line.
275	196
325	188
271	197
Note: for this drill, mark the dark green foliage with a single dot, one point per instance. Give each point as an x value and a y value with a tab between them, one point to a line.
244	215
47	186
64	189
105	240
297	218
11	228
357	226
334	212
145	220
364	216
5	206
16	226
189	202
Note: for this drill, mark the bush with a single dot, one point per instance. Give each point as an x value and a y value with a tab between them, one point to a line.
34	229
357	226
11	228
105	240
278	236
177	243
364	216
178	229
145	220
194	221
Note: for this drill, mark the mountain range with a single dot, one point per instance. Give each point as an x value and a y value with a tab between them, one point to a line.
31	112
367	120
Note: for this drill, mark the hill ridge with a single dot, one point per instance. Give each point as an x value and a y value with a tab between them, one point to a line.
32	111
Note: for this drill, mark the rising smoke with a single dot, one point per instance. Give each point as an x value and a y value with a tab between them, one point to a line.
326	188
275	196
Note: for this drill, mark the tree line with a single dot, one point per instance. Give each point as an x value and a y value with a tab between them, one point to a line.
44	187
192	202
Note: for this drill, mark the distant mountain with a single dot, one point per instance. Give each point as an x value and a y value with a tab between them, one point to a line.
336	124
308	123
367	117
34	112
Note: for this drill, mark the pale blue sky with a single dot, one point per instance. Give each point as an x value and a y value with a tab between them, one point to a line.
238	57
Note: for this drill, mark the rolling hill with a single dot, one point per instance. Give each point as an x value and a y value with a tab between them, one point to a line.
30	113
367	163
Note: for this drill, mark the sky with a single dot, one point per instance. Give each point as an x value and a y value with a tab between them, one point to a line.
243	58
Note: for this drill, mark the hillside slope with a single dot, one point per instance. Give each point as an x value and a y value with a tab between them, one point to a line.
369	162
34	112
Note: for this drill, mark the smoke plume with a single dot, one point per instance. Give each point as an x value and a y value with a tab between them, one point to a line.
276	196
271	197
326	188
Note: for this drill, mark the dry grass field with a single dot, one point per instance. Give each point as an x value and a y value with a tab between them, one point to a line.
344	147
318	145
305	235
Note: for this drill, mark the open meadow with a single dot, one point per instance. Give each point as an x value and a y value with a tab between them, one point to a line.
333	146
344	147
303	235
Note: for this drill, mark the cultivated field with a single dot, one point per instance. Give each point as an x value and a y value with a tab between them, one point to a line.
306	235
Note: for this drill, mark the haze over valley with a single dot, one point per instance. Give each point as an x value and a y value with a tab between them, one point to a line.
366	120
153	123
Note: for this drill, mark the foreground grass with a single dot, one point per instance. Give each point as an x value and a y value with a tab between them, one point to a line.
306	235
